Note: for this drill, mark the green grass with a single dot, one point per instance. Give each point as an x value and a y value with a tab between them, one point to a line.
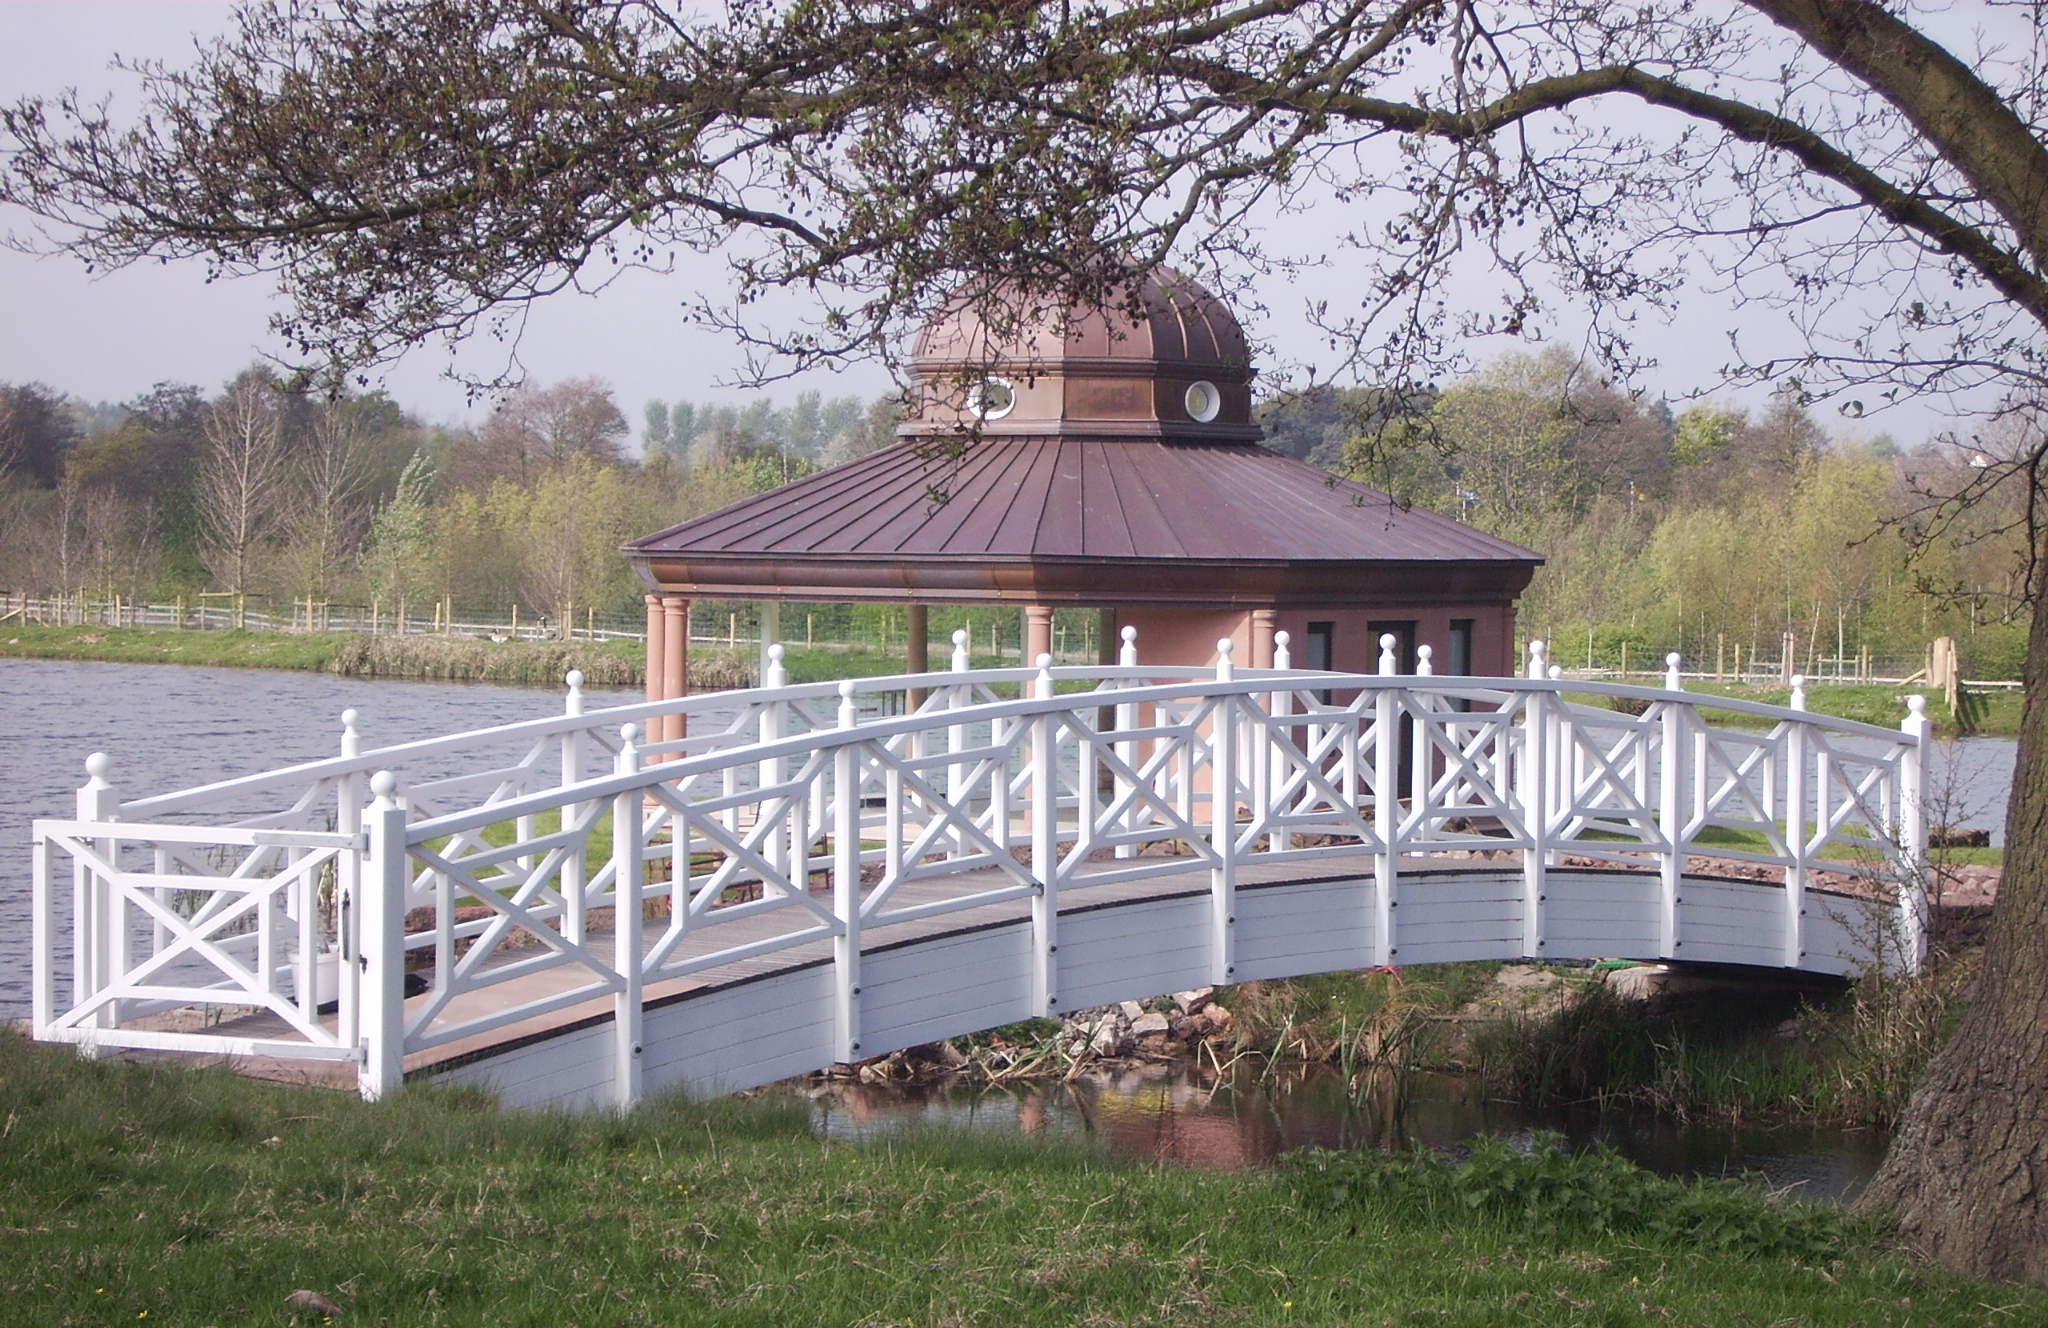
1994	713
133	1194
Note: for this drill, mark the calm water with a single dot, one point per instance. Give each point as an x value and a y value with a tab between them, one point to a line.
1178	1113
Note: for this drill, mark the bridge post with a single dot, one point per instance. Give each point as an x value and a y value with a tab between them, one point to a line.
846	882
99	933
629	858
1671	812
1045	851
1222	827
348	875
1386	806
1912	837
1795	831
1126	749
956	740
1280	704
1533	781
575	905
777	848
382	1071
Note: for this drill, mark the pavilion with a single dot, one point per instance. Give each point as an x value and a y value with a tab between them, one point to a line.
1105	458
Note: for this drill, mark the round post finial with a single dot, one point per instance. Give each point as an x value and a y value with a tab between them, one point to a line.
1389	662
629	748
849	713
1224	669
1127	656
384	787
1916	722
1425	661
1283	657
1672	682
1798	691
775	675
351	735
573	703
1044	676
96	767
961	660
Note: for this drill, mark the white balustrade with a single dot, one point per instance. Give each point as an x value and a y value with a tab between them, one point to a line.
826	815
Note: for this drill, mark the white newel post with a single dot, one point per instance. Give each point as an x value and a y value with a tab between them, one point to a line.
846	882
1912	864
1533	785
1671	811
575	905
629	872
1045	850
1126	749
100	931
1795	831
383	932
1386	806
956	740
1282	706
781	849
1223	828
1420	767
348	891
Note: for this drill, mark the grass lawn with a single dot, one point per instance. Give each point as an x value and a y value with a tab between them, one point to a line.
133	1194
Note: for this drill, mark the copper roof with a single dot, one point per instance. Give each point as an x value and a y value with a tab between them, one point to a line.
1178	325
1119	517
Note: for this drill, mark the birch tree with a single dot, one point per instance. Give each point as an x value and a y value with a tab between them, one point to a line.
242	471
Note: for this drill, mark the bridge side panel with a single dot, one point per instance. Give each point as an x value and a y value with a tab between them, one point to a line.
1844	936
1728	922
1601	916
742	1036
571	1072
1133	950
1447	918
1320	927
943	987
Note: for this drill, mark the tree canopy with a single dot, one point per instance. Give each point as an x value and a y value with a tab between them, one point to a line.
1878	174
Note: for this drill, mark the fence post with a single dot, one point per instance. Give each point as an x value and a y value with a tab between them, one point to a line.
1671	810
348	874
846	881
1419	764
628	879
1912	837
100	935
1532	783
1281	701
956	739
575	907
1045	850
383	912
772	721
1126	749
1795	830
1223	827
1386	805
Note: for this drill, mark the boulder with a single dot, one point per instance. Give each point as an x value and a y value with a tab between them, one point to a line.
1148	1023
1193	1001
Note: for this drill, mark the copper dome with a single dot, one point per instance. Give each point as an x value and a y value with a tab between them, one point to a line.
1169	362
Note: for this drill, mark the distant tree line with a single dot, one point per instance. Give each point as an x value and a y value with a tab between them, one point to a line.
254	489
1698	530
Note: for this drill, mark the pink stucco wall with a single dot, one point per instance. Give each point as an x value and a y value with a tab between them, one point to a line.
1181	636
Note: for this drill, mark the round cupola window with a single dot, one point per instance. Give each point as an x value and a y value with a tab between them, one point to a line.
992	398
1203	402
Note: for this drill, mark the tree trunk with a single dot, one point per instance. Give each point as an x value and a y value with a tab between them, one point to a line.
1967	1175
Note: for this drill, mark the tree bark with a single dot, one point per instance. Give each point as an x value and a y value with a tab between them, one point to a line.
1967	1175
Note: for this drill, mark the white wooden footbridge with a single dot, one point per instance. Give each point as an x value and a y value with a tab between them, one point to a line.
845	869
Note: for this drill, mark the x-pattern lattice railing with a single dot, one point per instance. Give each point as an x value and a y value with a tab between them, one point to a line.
577	861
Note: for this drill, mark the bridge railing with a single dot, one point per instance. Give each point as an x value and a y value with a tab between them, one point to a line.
803	818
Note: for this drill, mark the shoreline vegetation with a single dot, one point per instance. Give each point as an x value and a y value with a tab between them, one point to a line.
140	1192
622	664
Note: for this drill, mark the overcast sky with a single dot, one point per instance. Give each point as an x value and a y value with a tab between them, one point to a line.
109	338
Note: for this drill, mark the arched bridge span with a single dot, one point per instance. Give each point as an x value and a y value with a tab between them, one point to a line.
829	872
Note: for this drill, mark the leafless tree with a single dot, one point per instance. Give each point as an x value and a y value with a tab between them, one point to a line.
241	476
327	510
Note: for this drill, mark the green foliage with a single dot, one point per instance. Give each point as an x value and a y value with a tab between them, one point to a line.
1555	1198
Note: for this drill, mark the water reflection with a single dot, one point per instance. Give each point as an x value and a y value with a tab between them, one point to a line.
1179	1113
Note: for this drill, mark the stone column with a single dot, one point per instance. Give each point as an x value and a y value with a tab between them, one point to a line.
1263	623
675	661
657	652
917	648
1037	632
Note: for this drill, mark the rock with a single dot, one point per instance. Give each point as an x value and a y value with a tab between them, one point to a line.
1131	1010
1642	983
311	1302
1193	1001
1108	1040
1218	1017
1149	1023
1950	836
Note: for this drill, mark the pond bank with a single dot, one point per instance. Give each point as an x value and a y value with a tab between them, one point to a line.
145	1193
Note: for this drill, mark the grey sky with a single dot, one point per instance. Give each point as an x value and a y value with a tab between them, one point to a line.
111	337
